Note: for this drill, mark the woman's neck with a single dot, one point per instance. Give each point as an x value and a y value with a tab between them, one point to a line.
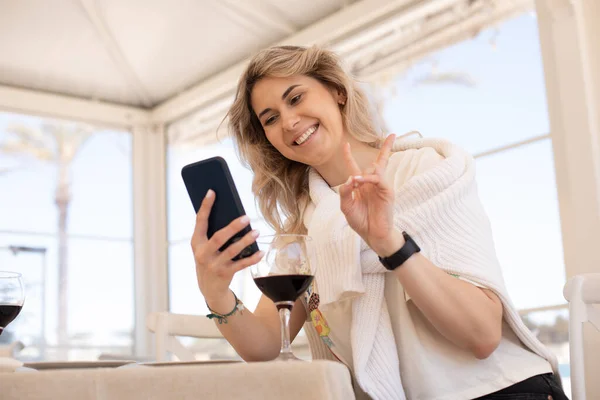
335	172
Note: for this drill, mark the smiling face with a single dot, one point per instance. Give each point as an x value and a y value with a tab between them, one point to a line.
301	118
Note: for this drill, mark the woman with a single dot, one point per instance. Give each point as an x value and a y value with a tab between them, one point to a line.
408	292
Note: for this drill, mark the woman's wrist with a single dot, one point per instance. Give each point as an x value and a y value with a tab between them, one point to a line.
392	244
223	318
221	304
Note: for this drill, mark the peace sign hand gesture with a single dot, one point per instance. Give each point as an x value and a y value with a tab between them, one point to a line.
367	201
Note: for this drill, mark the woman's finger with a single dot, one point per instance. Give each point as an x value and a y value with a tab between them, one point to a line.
351	164
347	195
347	187
223	235
236	248
201	227
359	180
384	153
376	180
246	262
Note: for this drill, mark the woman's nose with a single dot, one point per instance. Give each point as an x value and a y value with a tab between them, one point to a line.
290	121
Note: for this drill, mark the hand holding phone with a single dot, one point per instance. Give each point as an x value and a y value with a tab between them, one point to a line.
223	241
213	173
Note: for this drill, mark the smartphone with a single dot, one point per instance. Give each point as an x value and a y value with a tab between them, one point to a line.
213	173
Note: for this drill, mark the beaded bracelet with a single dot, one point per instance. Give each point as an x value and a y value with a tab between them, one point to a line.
223	318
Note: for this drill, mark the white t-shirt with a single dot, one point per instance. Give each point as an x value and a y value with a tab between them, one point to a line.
431	366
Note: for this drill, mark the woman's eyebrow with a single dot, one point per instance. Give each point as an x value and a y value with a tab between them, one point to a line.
287	91
283	96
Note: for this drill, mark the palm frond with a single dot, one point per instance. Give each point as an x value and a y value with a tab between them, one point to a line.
27	140
436	78
69	139
22	147
54	141
32	136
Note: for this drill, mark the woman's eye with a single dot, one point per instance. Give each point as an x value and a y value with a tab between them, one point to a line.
270	120
295	99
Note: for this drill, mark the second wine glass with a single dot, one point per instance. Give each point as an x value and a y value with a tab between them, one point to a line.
283	275
12	297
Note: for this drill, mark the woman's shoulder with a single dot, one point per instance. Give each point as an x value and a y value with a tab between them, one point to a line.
421	154
411	162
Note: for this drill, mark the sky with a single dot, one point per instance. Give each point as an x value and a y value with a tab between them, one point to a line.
507	104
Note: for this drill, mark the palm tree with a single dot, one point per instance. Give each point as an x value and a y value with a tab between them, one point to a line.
457	78
57	144
436	77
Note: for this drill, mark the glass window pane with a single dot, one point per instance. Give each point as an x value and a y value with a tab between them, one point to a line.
518	190
101	296
102	196
184	294
28	185
481	93
67	188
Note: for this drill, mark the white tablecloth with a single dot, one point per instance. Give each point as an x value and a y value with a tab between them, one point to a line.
323	380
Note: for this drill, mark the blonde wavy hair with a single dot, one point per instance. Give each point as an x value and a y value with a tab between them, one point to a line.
281	185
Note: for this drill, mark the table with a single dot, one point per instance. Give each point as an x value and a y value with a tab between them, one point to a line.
319	379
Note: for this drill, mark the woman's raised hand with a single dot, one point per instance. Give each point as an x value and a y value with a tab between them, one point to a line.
367	200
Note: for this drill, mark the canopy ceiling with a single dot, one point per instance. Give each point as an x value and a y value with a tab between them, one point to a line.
123	62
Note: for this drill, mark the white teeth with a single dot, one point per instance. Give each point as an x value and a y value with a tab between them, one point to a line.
306	135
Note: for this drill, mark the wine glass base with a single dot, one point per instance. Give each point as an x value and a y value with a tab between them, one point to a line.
287	357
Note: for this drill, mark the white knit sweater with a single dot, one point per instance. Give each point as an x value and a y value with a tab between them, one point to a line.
440	209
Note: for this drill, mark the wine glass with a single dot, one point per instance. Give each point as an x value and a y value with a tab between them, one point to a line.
283	275
12	297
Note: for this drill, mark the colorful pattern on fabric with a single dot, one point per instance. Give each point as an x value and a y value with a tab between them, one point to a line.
321	326
317	318
313	302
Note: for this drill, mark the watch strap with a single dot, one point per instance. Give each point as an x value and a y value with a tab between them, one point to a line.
404	253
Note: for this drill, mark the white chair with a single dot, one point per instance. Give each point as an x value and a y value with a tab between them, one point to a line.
11	350
166	326
581	291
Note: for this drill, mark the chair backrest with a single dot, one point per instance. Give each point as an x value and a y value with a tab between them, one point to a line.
581	291
167	326
11	350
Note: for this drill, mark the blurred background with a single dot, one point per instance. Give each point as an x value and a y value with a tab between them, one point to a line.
102	102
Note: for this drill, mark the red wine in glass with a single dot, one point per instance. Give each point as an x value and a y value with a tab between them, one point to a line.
283	275
283	290
8	312
12	296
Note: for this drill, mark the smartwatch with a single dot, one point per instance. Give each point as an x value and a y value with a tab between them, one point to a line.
398	258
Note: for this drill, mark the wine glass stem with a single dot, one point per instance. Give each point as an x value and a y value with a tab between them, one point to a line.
284	315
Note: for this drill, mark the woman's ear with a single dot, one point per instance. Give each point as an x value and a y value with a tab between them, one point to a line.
341	97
